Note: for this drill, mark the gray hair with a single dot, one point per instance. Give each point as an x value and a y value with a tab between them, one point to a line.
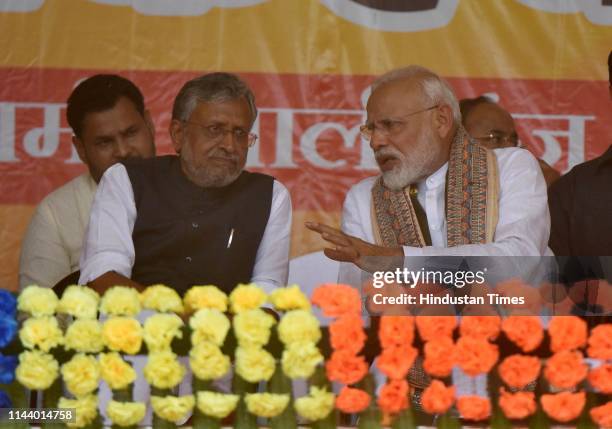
435	89
213	87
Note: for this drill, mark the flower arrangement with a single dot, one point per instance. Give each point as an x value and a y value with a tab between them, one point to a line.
217	331
396	334
8	330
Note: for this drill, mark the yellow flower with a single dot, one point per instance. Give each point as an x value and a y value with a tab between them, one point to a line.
217	405
289	298
120	301
117	373
300	359
208	362
315	406
163	370
199	297
161	298
84	335
80	302
247	297
126	413
209	325
172	408
299	325
36	370
81	374
42	332
85	408
266	404
37	301
254	364
252	327
122	334
160	329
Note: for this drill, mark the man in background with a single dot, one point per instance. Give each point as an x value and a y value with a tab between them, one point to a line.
110	124
492	126
581	228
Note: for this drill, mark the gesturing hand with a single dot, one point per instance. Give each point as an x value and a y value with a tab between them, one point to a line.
347	248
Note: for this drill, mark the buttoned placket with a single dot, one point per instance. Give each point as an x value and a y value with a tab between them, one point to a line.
431	197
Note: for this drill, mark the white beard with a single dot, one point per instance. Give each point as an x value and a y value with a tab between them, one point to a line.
208	176
414	166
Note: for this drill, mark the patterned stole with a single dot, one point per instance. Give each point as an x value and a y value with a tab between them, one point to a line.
472	188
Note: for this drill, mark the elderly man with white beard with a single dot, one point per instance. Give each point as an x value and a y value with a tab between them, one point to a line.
440	193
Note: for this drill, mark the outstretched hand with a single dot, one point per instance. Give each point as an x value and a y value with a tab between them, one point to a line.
346	248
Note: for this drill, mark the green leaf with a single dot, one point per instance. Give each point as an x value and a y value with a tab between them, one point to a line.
404	420
158	422
242	418
448	421
584	421
280	383
370	417
201	420
50	399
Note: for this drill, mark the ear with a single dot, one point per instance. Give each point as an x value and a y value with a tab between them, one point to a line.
177	134
443	120
149	122
80	148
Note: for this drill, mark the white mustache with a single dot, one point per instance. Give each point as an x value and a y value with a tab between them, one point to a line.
225	156
387	152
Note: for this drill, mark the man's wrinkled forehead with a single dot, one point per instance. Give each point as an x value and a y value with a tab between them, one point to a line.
395	96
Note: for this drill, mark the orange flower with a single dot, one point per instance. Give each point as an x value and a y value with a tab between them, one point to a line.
345	367
564	406
475	356
524	331
565	369
475	408
431	327
346	333
600	342
601	378
337	299
517	405
437	398
352	400
567	333
602	415
393	396
395	361
396	330
518	371
486	327
439	357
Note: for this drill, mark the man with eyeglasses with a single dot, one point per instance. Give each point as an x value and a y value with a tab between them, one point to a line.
195	218
493	127
439	192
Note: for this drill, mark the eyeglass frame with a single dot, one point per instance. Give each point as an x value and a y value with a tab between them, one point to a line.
512	138
367	134
251	137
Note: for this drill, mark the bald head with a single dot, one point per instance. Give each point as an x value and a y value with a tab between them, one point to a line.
488	123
